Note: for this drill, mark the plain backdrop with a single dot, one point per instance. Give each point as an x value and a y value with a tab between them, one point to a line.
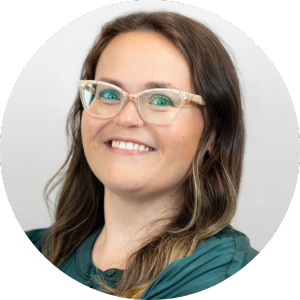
33	143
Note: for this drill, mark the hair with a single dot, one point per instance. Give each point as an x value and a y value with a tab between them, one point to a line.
210	191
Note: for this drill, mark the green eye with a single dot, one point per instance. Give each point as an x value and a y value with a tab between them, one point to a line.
109	95
161	100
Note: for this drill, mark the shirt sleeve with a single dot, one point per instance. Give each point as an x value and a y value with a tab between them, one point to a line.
211	263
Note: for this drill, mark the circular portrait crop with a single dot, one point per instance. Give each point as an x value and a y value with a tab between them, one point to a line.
149	150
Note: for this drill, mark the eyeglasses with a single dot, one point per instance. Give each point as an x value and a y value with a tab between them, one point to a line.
159	106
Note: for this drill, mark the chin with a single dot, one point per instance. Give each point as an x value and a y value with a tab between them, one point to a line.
124	183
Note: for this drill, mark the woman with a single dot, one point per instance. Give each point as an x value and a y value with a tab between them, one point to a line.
149	188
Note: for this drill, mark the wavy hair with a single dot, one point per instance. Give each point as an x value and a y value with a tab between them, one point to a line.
210	191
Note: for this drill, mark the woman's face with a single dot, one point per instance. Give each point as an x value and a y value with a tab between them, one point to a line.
132	61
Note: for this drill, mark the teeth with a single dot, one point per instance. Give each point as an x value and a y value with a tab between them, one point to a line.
122	145
130	146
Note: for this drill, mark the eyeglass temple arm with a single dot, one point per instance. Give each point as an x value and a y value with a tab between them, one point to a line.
89	89
196	98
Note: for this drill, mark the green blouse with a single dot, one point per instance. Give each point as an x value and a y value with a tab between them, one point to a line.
214	260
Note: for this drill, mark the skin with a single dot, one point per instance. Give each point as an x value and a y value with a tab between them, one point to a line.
140	187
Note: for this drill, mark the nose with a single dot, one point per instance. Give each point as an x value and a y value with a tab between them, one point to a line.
129	116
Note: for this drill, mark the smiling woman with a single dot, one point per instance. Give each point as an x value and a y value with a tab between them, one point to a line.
135	69
150	185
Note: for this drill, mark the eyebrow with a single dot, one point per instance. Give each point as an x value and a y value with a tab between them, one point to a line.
148	85
159	85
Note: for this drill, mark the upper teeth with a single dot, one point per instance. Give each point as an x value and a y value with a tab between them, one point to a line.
130	146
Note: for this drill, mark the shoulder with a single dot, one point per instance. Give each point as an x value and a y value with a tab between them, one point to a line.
36	236
244	253
231	243
239	240
214	260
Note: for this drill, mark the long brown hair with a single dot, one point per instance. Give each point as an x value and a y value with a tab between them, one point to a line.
210	191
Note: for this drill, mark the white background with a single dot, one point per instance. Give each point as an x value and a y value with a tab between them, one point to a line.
34	142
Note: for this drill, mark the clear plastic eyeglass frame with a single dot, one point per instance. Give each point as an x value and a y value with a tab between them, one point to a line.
184	96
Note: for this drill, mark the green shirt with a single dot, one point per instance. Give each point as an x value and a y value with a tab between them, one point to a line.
214	260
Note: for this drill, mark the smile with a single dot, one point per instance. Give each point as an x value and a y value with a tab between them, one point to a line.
130	146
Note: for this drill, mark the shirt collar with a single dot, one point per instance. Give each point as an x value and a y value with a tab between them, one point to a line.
84	263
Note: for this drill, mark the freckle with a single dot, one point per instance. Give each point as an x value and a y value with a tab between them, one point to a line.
182	137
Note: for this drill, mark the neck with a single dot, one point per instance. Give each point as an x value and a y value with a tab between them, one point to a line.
128	219
130	222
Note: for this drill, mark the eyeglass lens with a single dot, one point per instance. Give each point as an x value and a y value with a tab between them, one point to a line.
157	106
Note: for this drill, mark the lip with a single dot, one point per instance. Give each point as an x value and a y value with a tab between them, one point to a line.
127	140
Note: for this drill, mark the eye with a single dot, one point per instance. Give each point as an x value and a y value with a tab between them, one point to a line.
161	100
109	94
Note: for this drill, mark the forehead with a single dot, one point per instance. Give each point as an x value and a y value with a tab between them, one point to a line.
139	57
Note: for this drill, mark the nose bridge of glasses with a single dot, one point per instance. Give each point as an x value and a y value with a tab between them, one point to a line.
132	97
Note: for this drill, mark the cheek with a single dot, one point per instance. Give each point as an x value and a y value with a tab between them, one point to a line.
86	133
84	127
179	149
91	139
90	128
186	134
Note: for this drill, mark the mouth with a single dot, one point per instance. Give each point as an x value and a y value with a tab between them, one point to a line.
130	145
